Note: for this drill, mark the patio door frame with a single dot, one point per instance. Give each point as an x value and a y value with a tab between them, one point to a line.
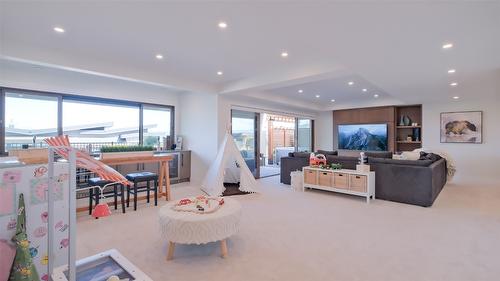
256	137
296	134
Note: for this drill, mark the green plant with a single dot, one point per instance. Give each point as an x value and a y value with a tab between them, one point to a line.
336	166
126	148
150	140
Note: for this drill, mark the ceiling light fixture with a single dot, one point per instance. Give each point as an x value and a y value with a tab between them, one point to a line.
456	97
284	54
451	71
332	100
159	56
447	46
375	96
222	25
317	96
364	90
454	84
59	29
300	91
219	73
350	83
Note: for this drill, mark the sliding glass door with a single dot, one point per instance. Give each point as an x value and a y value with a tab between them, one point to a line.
264	138
305	134
245	131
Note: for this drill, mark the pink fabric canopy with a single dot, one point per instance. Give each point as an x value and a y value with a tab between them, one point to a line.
62	146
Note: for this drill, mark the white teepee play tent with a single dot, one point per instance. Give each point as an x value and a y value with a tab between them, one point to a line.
228	160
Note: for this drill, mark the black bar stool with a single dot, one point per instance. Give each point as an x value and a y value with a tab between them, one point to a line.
102	183
142	177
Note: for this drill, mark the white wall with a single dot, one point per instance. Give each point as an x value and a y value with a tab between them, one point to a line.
476	163
324	130
198	127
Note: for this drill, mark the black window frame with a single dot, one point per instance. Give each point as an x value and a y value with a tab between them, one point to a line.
73	97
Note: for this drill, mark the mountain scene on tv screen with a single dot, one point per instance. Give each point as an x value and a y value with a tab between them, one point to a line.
363	137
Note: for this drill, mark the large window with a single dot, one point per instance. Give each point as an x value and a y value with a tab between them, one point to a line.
100	123
156	125
29	117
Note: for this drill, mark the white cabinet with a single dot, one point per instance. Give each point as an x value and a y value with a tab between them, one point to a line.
344	181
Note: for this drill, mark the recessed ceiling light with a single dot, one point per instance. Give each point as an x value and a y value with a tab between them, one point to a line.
159	56
447	46
364	90
454	84
300	91
284	54
222	25
451	71
59	29
219	73
456	97
317	96
375	96
350	83
332	100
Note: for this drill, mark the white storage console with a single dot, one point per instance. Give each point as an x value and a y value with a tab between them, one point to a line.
343	181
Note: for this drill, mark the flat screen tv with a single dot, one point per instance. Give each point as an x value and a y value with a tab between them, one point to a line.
369	137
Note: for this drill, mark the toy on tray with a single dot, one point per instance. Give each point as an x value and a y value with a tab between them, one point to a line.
317	159
200	204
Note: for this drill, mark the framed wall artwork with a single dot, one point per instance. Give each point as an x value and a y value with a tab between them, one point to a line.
462	127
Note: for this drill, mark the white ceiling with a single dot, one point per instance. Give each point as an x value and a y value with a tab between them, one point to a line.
391	48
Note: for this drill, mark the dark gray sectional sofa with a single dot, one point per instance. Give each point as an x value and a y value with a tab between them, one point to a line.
294	162
416	182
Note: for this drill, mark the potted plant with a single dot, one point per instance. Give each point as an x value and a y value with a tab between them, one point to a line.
122	151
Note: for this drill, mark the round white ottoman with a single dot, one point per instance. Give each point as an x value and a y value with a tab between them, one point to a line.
192	228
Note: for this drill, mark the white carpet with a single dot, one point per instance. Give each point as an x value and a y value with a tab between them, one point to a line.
318	235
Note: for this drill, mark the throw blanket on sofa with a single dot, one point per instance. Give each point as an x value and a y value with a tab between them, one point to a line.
450	164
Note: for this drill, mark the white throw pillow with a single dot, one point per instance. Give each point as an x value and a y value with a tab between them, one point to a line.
410	155
398	157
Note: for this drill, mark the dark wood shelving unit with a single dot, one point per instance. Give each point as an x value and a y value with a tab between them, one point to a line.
407	127
414	112
396	134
